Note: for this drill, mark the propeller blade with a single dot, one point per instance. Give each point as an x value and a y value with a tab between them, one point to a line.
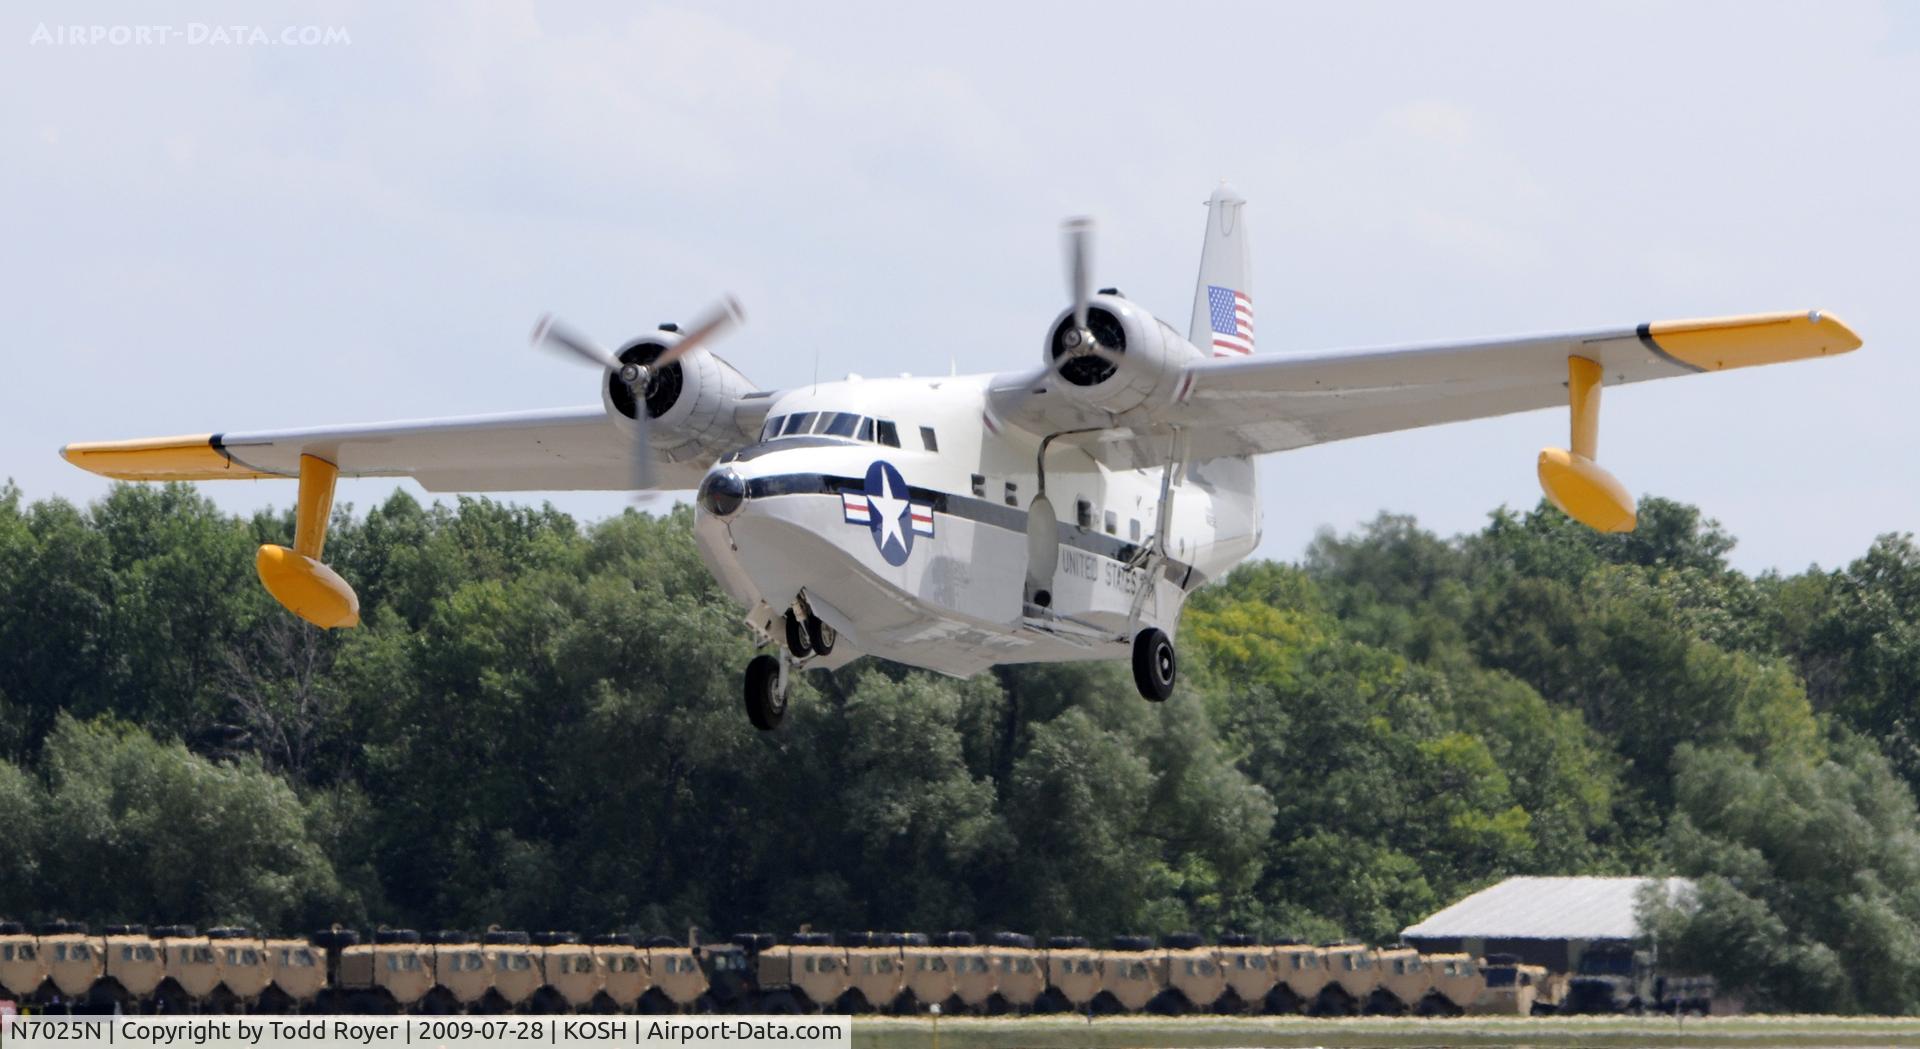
642	453
550	334
723	316
1079	244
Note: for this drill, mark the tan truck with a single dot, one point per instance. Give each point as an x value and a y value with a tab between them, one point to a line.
1402	983
573	974
193	970
1513	988
878	975
1020	977
394	972
1133	977
677	974
1457	983
624	976
22	969
1074	974
1350	979
299	974
134	964
1251	972
932	975
807	976
1303	977
74	961
245	971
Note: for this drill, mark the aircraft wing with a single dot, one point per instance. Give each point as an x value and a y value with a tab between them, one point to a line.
1275	402
549	450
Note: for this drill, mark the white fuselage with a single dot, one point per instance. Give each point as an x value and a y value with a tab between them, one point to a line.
936	575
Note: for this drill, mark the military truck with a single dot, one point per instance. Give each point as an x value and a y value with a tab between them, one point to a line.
1195	979
1251	973
1514	988
1615	978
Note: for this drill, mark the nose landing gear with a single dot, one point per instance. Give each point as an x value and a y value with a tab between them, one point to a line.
807	637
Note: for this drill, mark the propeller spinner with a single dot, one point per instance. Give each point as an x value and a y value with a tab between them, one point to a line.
553	335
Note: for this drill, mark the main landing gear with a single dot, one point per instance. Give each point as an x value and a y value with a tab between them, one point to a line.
1153	664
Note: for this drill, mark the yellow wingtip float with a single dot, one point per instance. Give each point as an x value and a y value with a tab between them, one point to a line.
297	578
1572	479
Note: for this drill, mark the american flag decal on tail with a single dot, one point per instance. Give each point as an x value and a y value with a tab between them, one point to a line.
1231	316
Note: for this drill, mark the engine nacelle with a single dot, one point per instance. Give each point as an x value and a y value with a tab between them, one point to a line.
690	403
1151	354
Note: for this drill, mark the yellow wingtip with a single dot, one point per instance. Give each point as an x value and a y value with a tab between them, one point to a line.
1717	343
189	457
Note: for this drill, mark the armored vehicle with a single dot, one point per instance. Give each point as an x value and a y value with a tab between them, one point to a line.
1457	982
1615	978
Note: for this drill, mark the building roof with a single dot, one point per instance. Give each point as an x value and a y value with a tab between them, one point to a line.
1545	909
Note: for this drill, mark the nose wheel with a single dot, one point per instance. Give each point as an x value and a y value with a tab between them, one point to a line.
1153	664
766	692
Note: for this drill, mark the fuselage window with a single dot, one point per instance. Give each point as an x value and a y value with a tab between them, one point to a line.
842	424
886	433
1113	523
1083	513
980	484
1013	492
927	439
1133	529
797	423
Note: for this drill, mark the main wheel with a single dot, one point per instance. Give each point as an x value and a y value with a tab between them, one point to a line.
766	703
1153	664
797	641
820	636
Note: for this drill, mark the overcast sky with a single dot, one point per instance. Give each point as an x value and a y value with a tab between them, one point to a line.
204	235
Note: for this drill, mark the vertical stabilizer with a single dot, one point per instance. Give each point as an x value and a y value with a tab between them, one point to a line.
1223	302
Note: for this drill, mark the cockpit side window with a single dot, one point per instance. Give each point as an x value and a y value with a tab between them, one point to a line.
772	427
842	424
866	431
797	423
887	433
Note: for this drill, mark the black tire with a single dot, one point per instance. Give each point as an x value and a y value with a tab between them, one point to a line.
387	936
820	636
1133	943
1182	941
1154	664
798	642
554	938
504	938
615	939
325	939
766	704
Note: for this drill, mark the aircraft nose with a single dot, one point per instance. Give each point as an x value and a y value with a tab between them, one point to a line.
722	493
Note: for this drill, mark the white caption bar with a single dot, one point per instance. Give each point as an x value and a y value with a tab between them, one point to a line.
452	1032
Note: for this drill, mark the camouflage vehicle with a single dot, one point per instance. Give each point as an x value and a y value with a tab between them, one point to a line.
1457	982
1351	979
299	973
1403	981
1250	973
134	966
1615	978
394	972
22	969
1516	989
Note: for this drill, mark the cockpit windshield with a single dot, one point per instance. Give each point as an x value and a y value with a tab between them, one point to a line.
849	425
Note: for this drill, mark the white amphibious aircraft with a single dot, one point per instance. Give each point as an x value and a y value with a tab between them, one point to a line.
1061	512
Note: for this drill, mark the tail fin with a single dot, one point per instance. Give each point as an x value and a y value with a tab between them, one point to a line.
1223	302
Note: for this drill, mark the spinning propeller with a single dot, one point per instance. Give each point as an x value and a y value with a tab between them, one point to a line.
551	334
1079	342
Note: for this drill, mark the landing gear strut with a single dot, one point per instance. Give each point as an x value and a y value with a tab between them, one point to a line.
766	692
1153	664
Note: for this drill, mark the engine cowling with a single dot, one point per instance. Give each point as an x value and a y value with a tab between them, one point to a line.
1151	355
690	403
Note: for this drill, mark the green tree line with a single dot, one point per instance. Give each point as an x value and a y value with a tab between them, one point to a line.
539	725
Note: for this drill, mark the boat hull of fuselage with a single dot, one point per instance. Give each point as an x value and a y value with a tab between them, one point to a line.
955	603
